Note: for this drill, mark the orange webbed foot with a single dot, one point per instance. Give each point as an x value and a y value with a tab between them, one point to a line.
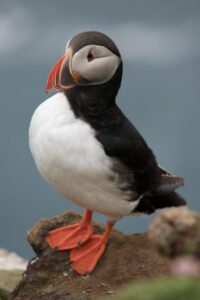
71	236
84	259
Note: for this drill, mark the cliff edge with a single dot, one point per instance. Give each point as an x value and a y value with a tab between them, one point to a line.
49	276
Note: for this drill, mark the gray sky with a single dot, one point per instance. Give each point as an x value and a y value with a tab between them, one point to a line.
160	45
151	32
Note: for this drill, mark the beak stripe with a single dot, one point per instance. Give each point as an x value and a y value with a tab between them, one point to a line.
54	78
75	75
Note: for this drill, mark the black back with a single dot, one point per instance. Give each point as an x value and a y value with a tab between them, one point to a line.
120	139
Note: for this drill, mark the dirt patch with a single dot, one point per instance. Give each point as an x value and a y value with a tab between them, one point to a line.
48	276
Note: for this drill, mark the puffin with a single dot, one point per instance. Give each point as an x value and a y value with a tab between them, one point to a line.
90	153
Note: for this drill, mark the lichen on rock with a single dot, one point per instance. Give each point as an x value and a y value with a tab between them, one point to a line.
176	231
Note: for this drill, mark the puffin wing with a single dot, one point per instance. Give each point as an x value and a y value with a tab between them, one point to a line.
126	144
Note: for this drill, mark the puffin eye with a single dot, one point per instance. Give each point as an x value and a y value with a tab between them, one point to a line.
90	56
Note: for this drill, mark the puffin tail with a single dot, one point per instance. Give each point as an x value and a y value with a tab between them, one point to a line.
163	195
149	203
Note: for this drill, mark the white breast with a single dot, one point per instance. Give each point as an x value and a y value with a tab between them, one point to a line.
72	161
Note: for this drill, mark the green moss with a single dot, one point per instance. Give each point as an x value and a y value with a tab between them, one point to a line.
165	289
4	295
9	279
190	249
125	245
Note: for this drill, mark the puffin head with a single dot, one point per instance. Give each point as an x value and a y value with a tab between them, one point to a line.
91	59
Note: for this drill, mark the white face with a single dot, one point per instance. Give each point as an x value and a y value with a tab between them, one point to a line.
95	63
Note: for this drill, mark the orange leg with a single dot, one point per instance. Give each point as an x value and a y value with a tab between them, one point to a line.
85	258
71	236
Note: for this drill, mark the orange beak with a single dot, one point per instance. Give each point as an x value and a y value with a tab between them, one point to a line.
58	81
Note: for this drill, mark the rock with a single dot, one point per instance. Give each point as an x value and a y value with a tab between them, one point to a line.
36	237
176	234
48	276
176	231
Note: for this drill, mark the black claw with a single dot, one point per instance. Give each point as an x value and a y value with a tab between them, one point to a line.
79	243
86	273
69	263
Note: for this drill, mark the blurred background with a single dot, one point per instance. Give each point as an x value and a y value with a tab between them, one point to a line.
160	45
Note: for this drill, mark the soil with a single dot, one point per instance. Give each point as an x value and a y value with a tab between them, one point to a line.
49	276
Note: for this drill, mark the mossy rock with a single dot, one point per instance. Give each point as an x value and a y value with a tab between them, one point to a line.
4	295
164	288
